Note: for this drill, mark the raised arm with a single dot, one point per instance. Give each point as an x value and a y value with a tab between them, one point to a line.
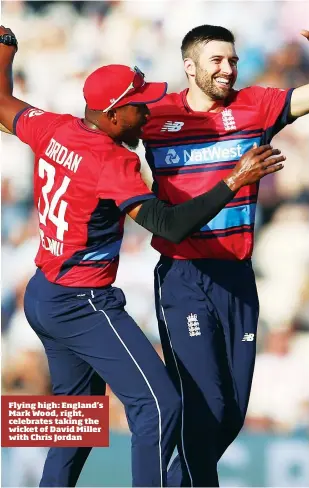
176	222
9	105
300	96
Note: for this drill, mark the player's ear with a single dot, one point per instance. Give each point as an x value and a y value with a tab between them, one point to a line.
189	66
112	116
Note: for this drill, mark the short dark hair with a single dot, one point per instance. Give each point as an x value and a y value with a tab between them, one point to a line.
201	35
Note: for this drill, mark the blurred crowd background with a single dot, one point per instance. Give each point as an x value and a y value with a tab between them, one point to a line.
60	43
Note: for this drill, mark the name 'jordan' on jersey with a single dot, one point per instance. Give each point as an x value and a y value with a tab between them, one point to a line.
83	182
189	152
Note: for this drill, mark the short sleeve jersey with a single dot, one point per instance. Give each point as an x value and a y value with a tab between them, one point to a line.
83	183
189	152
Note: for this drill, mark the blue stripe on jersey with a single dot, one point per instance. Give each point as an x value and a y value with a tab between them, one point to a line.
202	169
284	119
224	233
232	217
136	199
16	118
105	251
201	138
201	154
104	235
243	200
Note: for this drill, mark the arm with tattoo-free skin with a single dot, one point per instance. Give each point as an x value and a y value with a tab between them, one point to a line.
300	96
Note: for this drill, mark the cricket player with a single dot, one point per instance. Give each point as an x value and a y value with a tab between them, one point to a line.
207	303
85	182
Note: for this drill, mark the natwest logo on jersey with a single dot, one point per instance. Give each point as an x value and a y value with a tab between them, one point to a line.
172	157
203	153
212	153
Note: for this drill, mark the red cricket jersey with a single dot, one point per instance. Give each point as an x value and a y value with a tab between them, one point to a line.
189	152
83	182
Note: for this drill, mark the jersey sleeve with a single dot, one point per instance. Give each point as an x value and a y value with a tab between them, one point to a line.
121	181
274	109
31	124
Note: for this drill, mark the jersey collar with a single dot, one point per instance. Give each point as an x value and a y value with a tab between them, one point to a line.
183	96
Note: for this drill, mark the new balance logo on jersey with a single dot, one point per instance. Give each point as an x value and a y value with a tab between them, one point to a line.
248	337
228	119
170	126
193	325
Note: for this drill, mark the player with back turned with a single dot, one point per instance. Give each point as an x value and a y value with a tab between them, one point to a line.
207	304
85	182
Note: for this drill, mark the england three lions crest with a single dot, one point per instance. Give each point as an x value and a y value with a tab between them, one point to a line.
228	119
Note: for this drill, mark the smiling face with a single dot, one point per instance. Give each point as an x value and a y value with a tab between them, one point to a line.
213	69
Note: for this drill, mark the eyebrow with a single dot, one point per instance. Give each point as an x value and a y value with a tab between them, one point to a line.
220	56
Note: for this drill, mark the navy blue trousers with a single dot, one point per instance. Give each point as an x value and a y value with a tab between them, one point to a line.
207	312
90	339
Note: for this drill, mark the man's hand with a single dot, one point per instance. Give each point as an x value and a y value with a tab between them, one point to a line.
305	33
299	105
5	30
9	105
253	165
6	50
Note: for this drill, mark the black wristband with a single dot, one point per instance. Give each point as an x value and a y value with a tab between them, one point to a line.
9	40
176	222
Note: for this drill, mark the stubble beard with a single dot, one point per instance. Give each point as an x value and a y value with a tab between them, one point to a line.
132	143
206	83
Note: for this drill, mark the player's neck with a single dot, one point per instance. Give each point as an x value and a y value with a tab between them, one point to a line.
96	127
91	125
199	102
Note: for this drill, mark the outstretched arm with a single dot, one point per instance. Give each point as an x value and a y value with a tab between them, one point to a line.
9	105
300	96
176	222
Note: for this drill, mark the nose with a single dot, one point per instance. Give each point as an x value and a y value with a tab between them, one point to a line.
226	68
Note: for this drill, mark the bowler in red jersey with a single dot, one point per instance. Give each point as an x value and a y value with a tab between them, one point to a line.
207	304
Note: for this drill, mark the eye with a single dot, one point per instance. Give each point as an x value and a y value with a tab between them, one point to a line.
233	62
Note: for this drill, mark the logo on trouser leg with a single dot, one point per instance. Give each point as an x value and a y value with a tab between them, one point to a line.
248	337
193	325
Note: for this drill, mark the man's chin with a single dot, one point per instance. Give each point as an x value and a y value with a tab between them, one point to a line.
221	93
220	96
